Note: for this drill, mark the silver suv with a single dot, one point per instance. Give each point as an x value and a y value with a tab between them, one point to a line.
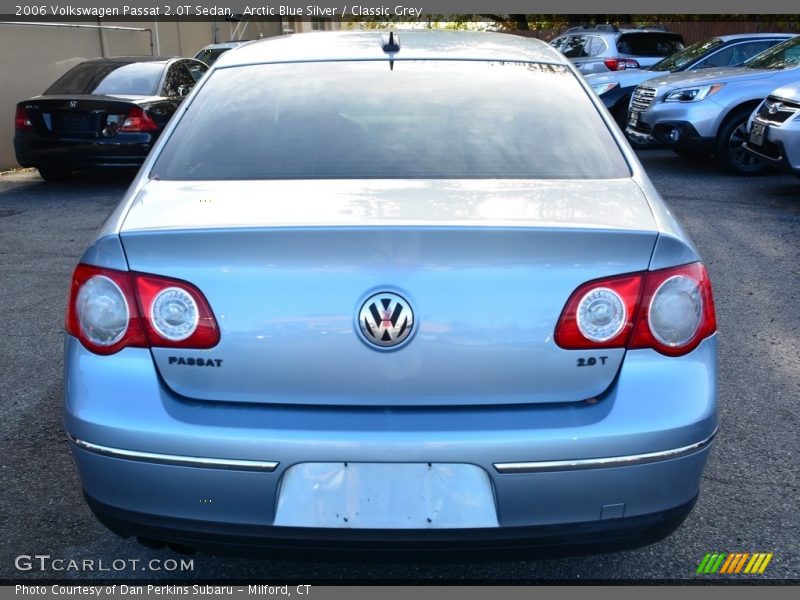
605	48
615	88
774	129
699	113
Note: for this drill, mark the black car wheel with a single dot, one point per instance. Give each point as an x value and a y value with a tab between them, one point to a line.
729	152
54	173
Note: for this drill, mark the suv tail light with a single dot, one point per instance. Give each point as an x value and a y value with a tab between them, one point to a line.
670	311
109	310
138	121
21	120
620	64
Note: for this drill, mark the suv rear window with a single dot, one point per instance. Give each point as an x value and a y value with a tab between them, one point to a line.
421	119
649	43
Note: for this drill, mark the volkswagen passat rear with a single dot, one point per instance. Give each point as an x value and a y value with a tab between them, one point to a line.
372	290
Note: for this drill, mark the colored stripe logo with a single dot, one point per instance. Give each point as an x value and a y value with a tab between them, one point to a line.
748	563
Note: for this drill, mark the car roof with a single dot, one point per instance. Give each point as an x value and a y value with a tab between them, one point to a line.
643	31
746	36
367	45
576	31
222	45
130	59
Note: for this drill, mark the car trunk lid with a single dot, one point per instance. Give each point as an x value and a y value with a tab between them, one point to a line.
79	115
487	268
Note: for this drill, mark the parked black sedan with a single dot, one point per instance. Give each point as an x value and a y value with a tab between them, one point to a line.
105	112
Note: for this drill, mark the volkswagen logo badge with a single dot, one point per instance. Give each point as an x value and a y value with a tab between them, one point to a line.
386	320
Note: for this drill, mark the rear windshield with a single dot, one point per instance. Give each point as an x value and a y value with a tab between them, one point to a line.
419	119
134	79
649	44
210	56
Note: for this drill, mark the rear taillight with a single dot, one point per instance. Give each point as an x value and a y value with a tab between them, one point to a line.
175	313
620	64
21	120
677	310
102	311
138	120
670	311
109	310
607	305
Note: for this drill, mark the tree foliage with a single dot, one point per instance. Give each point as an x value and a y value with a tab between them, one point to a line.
535	22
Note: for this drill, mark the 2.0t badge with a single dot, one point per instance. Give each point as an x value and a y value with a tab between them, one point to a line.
386	320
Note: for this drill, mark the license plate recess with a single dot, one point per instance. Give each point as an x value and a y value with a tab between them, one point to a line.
386	496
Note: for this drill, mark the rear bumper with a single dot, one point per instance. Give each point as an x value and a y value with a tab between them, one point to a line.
157	465
80	153
572	538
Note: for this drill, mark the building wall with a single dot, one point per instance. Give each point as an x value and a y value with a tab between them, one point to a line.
33	57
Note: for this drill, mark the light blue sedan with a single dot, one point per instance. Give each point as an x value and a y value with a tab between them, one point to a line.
391	290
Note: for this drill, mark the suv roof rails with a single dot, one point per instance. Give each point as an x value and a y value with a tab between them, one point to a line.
602	27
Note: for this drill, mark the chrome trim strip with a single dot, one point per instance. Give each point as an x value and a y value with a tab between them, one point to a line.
174	460
602	463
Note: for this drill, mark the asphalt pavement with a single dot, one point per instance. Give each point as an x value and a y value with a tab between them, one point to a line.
748	232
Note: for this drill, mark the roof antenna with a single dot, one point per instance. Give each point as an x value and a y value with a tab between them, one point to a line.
390	45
